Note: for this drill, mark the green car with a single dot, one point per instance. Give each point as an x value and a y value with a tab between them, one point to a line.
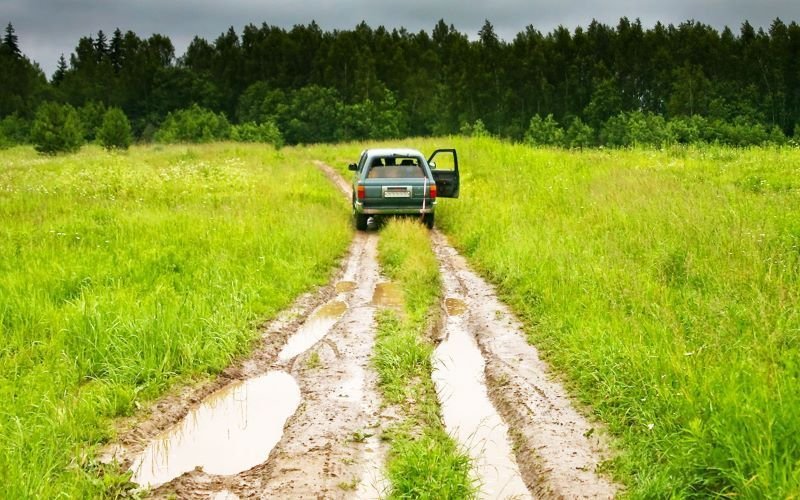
402	182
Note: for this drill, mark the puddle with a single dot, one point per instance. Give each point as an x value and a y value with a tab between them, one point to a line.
470	416
233	430
345	286
318	324
388	295
455	307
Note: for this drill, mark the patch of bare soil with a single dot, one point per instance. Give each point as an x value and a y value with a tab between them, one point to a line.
553	452
329	447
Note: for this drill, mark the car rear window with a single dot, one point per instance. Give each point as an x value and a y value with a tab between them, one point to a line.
395	168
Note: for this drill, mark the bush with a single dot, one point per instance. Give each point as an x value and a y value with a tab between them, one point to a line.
266	132
194	124
545	132
115	132
13	130
56	129
579	134
91	114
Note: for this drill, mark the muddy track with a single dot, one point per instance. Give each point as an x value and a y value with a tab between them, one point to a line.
328	448
553	452
322	436
483	355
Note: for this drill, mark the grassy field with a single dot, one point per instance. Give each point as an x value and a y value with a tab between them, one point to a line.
664	285
123	274
424	461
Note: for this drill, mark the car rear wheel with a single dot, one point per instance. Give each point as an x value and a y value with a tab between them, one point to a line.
360	221
427	219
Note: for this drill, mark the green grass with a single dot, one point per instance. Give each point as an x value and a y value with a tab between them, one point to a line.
665	285
424	462
124	274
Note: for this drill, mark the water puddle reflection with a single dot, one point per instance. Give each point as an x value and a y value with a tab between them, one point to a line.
233	430
388	295
345	286
455	307
317	326
469	415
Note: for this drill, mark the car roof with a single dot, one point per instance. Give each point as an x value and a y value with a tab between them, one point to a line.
393	152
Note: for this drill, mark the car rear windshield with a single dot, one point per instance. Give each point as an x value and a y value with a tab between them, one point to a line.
395	167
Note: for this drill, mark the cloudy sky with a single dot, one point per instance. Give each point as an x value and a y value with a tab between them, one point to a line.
47	28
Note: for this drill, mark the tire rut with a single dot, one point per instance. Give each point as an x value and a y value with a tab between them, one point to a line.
554	454
557	450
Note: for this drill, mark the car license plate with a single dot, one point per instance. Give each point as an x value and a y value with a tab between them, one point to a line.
397	193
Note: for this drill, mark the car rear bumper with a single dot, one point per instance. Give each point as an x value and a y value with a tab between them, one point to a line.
360	209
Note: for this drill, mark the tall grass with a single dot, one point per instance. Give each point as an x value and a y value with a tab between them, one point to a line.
424	460
122	274
665	285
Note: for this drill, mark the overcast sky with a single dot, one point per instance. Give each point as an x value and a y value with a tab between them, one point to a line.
47	28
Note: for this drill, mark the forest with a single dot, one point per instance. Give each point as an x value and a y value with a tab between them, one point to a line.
600	84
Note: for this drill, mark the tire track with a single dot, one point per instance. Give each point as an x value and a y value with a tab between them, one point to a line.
554	454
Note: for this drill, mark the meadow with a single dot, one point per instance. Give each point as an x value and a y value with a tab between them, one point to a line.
662	286
124	275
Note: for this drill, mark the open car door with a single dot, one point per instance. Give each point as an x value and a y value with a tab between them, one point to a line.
445	172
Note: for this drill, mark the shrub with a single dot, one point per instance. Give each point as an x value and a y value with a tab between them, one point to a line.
13	130
91	114
545	132
115	132
56	129
194	124
579	134
266	132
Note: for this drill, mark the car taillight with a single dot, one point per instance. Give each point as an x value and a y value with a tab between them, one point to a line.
433	191
361	192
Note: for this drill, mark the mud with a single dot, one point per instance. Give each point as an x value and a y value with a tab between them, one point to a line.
388	295
317	325
329	447
454	306
469	415
554	454
345	286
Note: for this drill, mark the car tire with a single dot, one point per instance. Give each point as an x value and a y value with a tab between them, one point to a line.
427	219
360	221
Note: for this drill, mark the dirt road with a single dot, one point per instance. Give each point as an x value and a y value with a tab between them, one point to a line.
302	417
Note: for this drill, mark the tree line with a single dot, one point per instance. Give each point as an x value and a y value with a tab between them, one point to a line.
598	84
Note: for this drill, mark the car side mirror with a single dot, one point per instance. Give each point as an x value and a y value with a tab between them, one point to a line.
353	167
432	165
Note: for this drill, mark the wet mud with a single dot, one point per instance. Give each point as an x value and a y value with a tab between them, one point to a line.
388	295
468	413
312	391
554	455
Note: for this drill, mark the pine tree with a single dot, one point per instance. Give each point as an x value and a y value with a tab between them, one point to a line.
115	132
10	42
56	129
61	71
101	46
115	49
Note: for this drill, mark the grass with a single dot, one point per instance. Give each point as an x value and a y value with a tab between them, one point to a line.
424	461
665	285
125	274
